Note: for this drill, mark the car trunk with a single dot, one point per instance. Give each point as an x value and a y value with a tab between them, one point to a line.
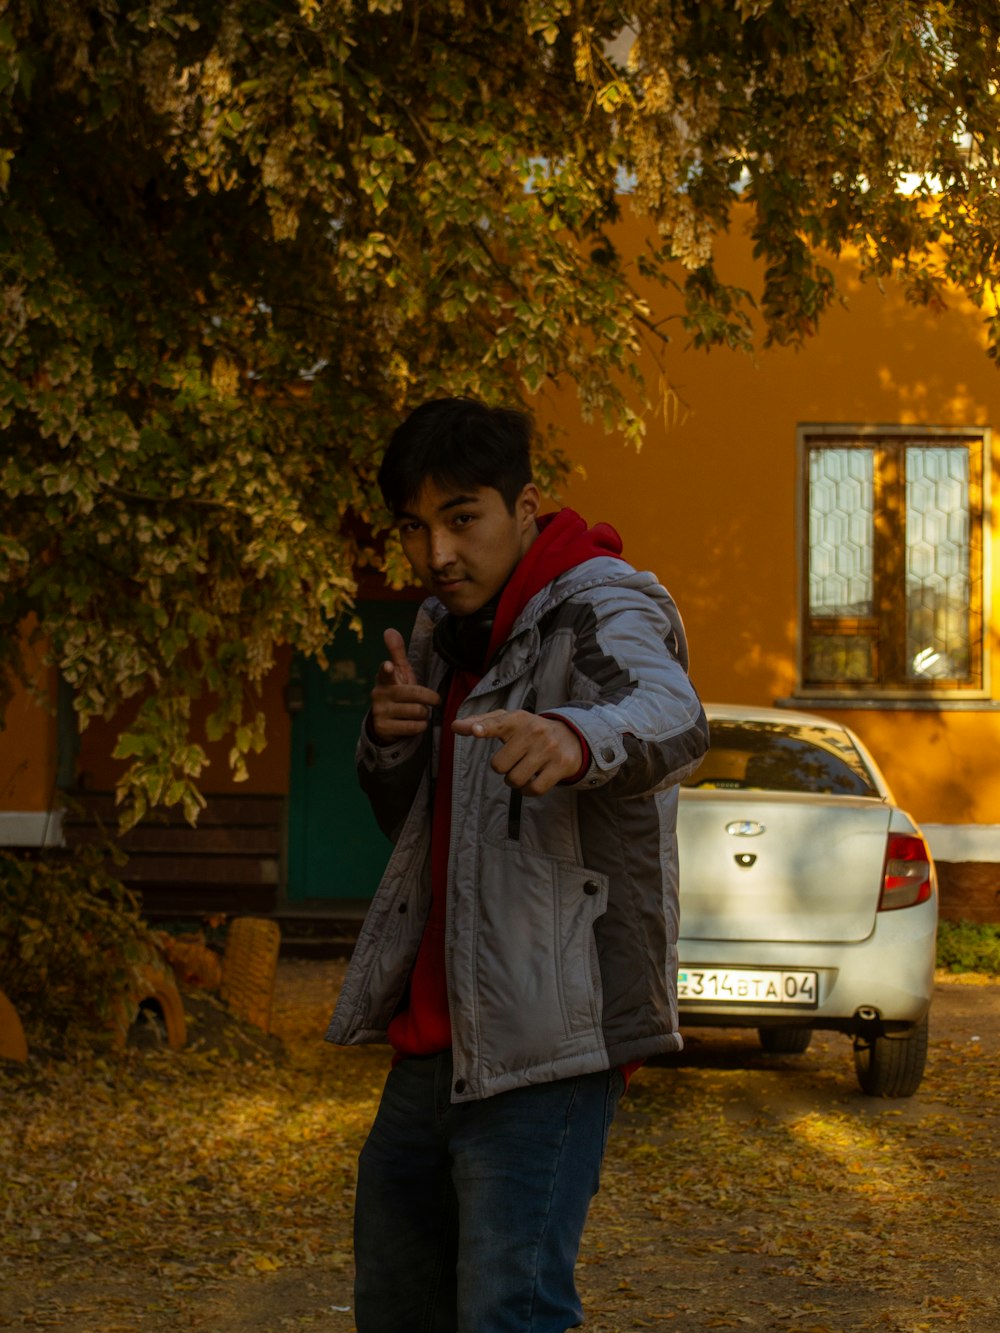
816	872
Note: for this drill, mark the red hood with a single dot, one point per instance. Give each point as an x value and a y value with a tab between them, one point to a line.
563	542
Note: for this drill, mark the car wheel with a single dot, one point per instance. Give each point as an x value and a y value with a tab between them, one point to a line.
785	1041
892	1066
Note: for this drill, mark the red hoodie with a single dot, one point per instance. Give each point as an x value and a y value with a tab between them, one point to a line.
563	542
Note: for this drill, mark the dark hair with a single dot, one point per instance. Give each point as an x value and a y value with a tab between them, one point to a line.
457	442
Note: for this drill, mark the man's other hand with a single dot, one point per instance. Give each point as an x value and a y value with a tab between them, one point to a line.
400	707
537	752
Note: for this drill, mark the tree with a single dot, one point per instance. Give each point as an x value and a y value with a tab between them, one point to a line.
873	125
238	240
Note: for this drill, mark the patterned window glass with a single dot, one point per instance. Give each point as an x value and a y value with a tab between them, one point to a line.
841	521
937	562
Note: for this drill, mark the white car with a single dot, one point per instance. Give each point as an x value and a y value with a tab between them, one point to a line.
808	898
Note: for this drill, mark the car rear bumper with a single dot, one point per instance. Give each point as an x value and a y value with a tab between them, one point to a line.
886	979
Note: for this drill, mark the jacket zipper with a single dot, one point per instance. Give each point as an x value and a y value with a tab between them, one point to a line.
514	808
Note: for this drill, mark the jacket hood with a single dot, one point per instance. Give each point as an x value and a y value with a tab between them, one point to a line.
564	541
599	572
603	572
601	569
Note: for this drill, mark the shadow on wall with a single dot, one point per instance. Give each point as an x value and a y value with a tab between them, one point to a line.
928	365
743	649
932	759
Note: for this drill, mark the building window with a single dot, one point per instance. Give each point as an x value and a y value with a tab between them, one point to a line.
893	596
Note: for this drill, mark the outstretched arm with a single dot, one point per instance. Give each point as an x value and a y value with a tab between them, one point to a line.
628	699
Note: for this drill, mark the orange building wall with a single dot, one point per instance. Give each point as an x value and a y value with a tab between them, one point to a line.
710	505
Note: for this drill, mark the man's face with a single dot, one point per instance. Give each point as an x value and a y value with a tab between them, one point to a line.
464	544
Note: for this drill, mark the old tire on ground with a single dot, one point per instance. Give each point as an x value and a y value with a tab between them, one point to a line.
13	1043
892	1066
785	1041
155	990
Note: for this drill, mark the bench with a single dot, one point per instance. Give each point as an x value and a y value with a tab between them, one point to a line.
229	862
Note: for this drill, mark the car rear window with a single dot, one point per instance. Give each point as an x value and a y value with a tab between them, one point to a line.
781	757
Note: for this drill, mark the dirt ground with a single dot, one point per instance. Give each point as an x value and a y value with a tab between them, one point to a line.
211	1189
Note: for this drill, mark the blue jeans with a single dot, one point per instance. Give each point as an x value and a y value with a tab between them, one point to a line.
468	1218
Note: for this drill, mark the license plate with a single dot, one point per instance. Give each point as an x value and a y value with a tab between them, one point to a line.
743	985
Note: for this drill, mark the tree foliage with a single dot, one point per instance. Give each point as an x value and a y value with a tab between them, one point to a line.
873	125
238	240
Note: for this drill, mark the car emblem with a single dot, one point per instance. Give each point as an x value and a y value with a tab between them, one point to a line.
744	828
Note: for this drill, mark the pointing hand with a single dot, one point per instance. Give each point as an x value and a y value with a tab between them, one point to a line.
537	752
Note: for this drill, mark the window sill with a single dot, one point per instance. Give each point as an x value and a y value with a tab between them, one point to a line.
939	703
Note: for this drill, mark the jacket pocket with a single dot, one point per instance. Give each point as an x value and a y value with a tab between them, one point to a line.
583	897
537	971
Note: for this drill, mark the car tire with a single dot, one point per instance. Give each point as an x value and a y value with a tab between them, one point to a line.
892	1066
785	1041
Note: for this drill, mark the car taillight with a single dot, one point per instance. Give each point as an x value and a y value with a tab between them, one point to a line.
906	879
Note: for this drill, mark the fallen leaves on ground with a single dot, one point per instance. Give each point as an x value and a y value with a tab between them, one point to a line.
732	1203
193	1165
212	1188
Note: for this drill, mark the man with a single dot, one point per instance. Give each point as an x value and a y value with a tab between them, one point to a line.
520	951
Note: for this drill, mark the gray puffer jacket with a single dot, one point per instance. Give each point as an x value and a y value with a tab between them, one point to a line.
561	909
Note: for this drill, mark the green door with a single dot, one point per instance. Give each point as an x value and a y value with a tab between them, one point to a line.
335	848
